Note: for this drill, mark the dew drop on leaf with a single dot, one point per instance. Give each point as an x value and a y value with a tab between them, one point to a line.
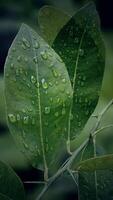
19	58
33	79
18	117
35	59
37	45
81	52
44	84
12	65
63	111
26	42
63	80
26	119
56	114
44	55
25	145
47	110
12	118
55	74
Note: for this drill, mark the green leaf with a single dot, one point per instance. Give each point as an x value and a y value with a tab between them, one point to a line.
38	96
81	47
98	163
96	178
106	137
51	20
10	184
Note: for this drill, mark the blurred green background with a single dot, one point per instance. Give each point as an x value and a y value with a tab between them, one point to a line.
12	14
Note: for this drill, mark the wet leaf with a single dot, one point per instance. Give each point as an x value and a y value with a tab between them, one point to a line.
11	187
38	96
80	45
96	178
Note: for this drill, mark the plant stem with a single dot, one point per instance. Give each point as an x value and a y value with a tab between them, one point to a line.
76	152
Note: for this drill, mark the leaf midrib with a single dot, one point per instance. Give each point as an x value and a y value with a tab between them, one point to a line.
40	108
73	85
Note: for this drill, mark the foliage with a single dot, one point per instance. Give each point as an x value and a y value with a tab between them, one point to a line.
51	94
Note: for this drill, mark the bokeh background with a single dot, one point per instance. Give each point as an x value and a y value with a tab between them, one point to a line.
12	14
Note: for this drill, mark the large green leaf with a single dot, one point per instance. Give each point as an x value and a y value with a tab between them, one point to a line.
11	186
106	137
81	47
96	178
51	20
38	96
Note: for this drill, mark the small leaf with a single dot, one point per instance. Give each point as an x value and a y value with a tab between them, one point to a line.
11	187
36	86
98	163
96	178
51	20
81	47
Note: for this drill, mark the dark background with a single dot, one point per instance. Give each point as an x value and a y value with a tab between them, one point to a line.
12	13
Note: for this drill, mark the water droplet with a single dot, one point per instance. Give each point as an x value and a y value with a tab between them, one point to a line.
50	84
38	85
58	100
35	59
26	119
81	52
44	55
33	79
25	145
18	117
25	42
44	84
79	124
51	99
76	40
12	118
63	111
55	74
33	102
12	65
63	80
47	110
28	85
17	72
56	114
36	45
19	58
56	82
